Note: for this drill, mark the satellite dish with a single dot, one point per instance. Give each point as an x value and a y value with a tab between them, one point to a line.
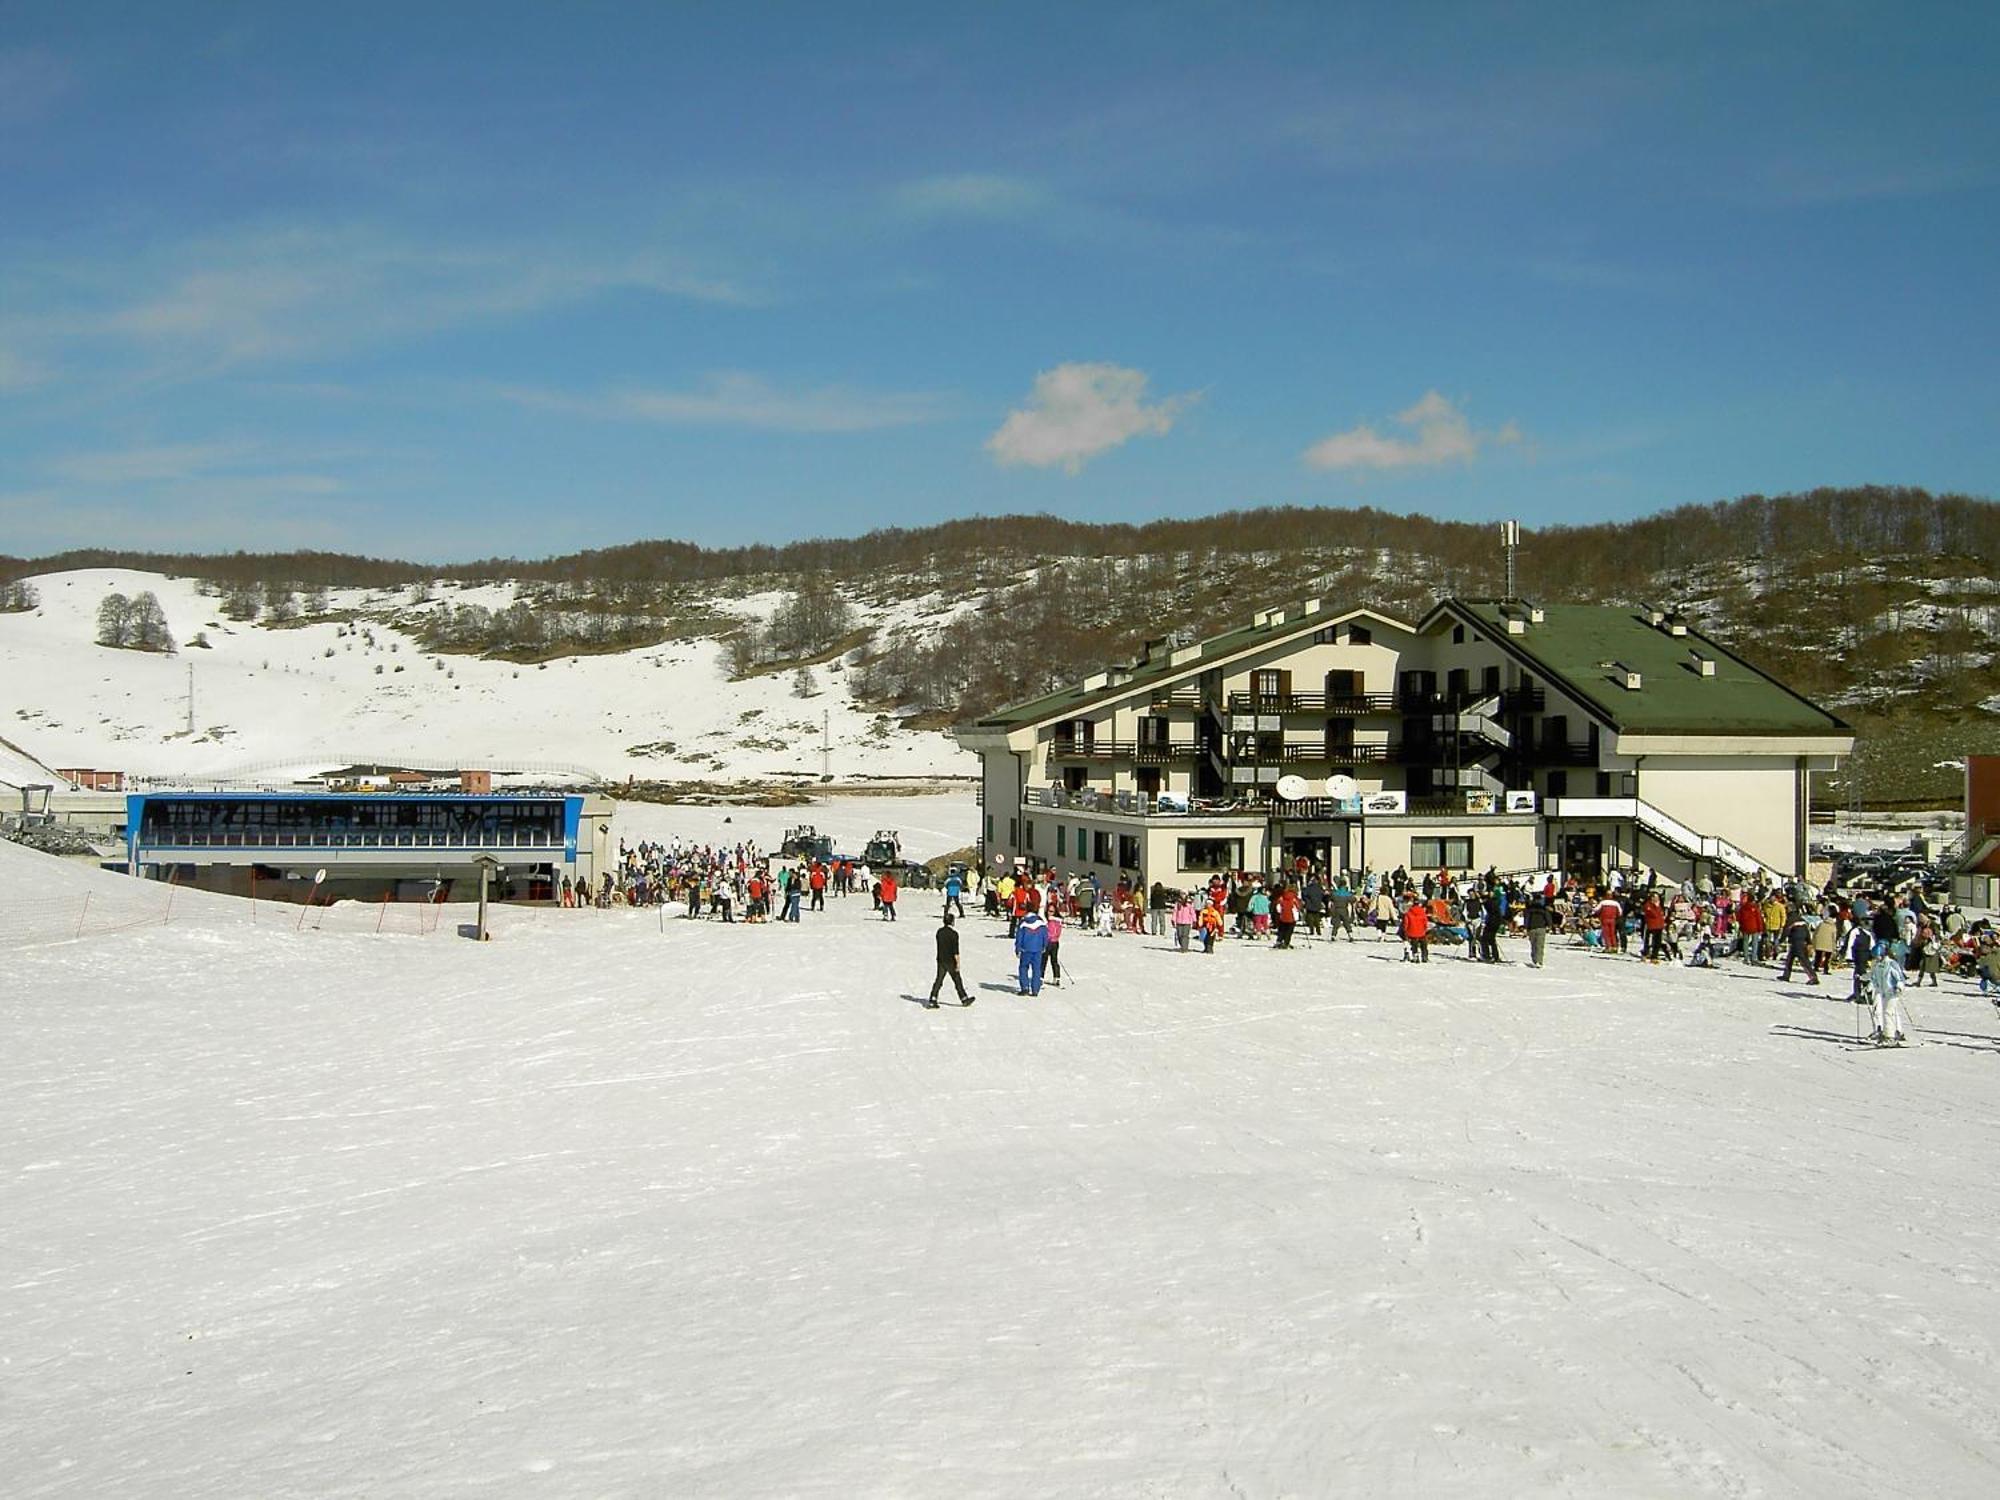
1343	787
1292	788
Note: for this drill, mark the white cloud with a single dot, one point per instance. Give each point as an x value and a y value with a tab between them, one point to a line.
737	399
971	195
146	465
1077	411
1438	434
299	292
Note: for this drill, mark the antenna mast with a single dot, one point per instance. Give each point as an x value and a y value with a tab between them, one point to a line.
1510	541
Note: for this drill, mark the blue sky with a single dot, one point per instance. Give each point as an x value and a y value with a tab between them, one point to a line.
450	281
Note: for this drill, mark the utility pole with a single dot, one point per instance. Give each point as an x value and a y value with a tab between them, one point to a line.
190	700
825	745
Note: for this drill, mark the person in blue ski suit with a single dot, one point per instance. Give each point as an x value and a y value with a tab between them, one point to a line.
1031	940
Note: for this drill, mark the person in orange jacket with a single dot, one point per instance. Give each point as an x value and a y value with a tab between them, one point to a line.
888	898
1211	926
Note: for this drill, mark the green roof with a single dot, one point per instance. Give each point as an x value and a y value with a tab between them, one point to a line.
1161	667
1572	649
1574	646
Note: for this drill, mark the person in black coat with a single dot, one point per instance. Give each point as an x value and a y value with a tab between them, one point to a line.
947	965
1537	920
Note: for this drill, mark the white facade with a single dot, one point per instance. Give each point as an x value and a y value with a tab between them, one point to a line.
1169	770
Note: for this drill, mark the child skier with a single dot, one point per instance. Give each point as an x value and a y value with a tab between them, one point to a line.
1885	984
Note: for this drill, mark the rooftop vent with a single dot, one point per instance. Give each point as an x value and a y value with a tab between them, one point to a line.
1677	624
1628	677
1654	614
1310	607
1516	625
1704	666
1095	681
1536	614
1190	652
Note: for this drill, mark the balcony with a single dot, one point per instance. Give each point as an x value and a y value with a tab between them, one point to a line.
1314	703
1140	752
1185	697
1523	700
1319	752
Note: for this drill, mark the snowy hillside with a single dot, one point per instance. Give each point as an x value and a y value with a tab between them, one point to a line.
357	687
614	1205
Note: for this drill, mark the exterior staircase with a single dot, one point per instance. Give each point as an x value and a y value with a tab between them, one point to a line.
1663	827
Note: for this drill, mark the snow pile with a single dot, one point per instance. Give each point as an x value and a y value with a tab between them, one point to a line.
624	1205
318	694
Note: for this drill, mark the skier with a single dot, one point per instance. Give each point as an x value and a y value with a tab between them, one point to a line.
1494	924
1052	952
1885	984
954	894
1031	941
1285	913
1860	949
947	965
1340	911
885	897
1417	933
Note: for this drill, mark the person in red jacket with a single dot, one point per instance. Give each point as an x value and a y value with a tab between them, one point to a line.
1653	918
1285	913
1750	921
888	897
1417	933
817	880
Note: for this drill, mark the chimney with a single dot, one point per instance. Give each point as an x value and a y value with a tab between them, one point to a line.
1654	614
1536	614
1185	654
1311	607
1677	625
1628	677
1704	666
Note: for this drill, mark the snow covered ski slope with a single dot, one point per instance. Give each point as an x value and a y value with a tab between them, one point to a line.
358	685
622	1206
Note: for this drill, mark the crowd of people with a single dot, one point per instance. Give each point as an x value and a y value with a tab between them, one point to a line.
728	883
1882	942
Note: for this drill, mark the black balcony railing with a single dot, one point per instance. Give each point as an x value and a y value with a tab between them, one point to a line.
1178	698
1144	752
1319	752
1314	703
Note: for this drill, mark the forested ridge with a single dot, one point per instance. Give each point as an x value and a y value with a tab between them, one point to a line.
1880	601
1868	520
